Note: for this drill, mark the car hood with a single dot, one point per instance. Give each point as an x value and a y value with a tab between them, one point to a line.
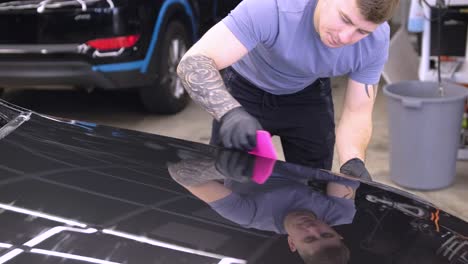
77	192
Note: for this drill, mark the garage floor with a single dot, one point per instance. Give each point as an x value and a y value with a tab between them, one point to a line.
123	110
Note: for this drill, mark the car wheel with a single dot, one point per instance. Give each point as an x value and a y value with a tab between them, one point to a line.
167	95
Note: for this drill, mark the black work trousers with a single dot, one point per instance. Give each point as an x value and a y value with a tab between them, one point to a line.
304	120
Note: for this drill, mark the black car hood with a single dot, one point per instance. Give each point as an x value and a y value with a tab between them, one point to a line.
76	192
33	4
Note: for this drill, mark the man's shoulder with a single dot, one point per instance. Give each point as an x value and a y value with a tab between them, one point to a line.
380	37
382	32
376	43
256	7
294	6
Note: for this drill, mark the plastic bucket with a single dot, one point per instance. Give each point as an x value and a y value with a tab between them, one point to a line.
424	131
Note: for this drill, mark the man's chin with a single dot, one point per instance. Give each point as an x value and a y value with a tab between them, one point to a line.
331	45
302	213
299	217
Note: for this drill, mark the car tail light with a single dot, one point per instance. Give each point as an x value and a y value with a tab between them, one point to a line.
113	43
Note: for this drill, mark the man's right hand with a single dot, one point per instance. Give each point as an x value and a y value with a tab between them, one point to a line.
235	165
239	130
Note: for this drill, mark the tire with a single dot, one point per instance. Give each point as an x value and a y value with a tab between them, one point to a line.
167	95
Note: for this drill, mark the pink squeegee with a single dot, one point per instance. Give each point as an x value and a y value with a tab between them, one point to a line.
266	159
264	146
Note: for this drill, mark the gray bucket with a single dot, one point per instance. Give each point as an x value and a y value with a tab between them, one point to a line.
424	133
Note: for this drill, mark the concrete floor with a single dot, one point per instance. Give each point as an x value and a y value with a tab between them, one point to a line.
122	109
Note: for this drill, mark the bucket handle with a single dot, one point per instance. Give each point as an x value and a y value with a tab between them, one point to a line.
412	103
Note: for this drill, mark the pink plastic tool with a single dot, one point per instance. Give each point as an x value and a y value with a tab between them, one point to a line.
264	146
266	159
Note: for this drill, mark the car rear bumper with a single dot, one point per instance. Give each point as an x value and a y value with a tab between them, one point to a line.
71	73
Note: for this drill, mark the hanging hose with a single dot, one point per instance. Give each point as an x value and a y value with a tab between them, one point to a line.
439	33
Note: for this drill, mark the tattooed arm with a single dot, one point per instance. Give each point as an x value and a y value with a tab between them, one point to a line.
199	69
204	84
355	127
191	172
200	177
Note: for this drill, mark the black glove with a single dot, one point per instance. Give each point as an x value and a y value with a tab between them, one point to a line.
355	167
239	130
235	165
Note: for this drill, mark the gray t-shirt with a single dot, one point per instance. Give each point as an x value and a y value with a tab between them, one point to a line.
264	207
286	53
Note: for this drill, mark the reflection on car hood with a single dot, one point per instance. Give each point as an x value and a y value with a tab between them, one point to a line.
76	192
41	5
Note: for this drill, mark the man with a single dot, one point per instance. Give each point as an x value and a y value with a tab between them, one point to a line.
314	240
282	54
284	204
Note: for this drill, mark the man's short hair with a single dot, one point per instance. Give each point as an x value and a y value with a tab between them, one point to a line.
334	254
377	11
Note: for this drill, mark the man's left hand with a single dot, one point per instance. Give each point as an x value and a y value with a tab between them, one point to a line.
356	167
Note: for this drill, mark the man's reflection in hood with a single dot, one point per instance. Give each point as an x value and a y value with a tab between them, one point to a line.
284	204
313	239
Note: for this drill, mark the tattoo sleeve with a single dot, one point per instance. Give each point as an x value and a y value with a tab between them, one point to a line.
374	87
194	172
205	85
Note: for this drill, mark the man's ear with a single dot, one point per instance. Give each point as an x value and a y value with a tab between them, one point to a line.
292	247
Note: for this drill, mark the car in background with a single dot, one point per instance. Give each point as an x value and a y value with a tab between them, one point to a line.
105	44
73	192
